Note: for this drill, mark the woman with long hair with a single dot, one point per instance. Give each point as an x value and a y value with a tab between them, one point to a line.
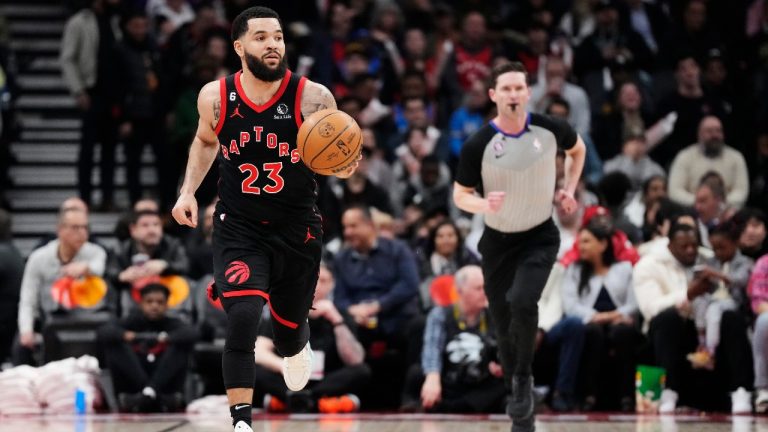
598	290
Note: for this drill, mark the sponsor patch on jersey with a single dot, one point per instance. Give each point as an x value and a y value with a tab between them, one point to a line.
282	112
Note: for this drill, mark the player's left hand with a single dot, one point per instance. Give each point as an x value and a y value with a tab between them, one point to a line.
566	201
347	173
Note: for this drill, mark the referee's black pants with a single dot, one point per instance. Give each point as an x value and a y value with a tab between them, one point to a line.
516	267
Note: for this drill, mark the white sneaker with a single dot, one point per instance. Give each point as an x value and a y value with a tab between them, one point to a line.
761	403
741	401
242	426
298	368
668	401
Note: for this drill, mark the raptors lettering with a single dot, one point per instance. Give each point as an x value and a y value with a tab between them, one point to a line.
283	148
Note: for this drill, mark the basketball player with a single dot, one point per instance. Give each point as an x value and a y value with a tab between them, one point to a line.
512	160
266	229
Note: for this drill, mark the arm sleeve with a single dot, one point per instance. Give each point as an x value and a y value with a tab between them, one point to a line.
434	341
468	172
565	135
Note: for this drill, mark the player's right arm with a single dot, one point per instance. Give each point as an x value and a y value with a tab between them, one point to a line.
202	153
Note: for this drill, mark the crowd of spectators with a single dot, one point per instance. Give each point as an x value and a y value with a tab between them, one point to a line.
664	262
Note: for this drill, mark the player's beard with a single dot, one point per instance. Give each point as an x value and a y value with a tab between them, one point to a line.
260	70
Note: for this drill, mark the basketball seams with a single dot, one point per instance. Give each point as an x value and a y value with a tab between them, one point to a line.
330	143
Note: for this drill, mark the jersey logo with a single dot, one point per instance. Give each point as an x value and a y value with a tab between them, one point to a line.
282	112
498	148
236	112
237	272
309	237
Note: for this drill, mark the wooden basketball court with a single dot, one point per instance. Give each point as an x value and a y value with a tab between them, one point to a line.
381	423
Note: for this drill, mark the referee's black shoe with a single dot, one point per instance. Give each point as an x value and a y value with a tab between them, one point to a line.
520	405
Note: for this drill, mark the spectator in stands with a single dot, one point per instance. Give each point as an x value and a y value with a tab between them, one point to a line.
598	290
470	61
178	54
375	114
147	354
70	255
468	118
579	22
649	21
611	43
417	56
752	241
444	254
691	105
709	153
729	278
337	195
89	69
149	253
758	296
634	162
710	207
555	83
614	188
593	166
11	272
459	371
376	278
694	34
431	190
665	284
142	121
415	112
337	380
653	189
419	146
377	283
559	345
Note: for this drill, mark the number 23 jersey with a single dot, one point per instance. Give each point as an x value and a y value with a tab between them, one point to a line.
261	176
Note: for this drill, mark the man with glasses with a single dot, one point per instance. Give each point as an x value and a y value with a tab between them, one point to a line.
69	255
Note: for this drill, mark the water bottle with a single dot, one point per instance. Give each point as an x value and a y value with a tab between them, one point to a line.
80	401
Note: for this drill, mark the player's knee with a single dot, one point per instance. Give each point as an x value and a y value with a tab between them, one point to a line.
242	326
291	345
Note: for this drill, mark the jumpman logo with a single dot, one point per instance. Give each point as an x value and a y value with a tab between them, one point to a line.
236	112
309	237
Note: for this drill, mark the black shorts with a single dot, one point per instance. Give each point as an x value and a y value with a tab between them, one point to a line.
278	262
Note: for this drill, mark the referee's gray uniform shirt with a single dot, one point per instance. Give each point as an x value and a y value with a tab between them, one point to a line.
522	165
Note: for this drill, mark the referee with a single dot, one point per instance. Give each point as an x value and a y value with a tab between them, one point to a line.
511	161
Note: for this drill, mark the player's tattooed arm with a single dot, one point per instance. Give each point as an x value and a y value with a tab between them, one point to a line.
216	111
316	97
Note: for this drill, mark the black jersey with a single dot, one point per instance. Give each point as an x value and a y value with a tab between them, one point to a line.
261	176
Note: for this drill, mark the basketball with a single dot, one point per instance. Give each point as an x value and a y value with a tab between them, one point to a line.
329	141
